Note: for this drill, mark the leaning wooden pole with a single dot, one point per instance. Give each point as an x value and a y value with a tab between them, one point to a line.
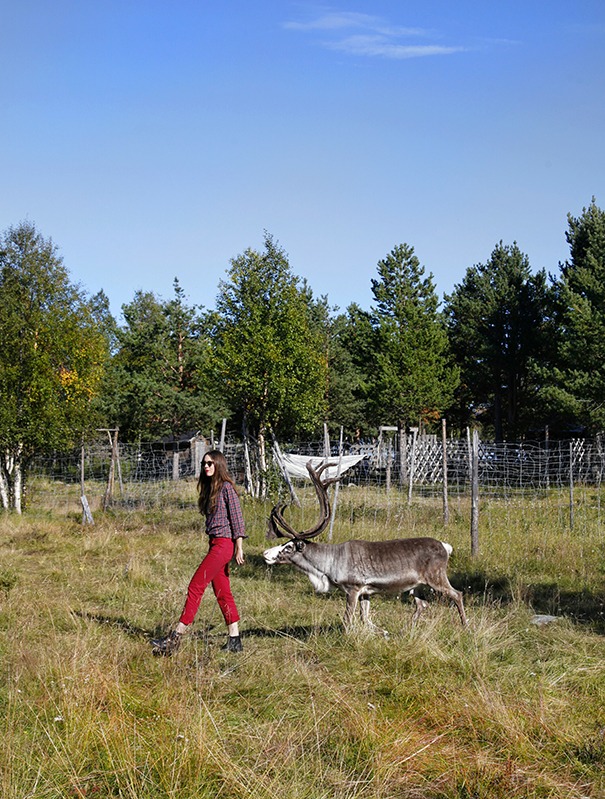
284	471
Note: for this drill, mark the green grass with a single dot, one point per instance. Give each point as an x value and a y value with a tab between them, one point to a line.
501	709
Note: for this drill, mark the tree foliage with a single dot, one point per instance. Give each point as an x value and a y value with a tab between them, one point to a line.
402	344
267	358
497	321
343	405
52	352
576	386
156	384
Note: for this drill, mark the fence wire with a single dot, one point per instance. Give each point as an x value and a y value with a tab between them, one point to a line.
156	475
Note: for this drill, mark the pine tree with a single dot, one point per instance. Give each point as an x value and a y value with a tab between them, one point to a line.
409	374
497	328
578	385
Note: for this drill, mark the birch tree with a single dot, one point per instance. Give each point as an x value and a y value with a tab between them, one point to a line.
52	355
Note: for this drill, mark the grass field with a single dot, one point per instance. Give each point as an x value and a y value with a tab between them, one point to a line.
501	709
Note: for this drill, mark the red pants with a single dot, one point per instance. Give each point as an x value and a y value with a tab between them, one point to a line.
215	569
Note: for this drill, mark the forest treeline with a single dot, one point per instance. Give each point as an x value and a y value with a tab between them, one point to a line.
509	351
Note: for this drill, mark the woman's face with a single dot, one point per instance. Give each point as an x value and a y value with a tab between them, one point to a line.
208	466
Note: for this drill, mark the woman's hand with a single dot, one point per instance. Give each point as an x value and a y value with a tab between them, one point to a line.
239	551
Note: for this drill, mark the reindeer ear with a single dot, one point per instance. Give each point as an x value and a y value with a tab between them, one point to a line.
300	545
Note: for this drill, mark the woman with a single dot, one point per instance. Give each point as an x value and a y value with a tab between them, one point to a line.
219	502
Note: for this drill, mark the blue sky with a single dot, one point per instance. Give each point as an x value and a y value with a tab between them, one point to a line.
160	138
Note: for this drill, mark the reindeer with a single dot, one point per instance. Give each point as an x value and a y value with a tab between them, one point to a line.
361	568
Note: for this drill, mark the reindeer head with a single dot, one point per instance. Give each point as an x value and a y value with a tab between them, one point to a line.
293	551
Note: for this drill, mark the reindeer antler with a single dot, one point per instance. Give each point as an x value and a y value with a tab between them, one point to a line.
278	527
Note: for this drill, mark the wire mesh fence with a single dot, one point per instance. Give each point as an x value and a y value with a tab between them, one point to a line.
149	475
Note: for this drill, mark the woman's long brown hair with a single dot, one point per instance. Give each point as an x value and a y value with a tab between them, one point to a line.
209	487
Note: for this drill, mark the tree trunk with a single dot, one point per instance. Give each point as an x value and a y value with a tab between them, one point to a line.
17	485
248	484
498	415
4	495
262	458
11	480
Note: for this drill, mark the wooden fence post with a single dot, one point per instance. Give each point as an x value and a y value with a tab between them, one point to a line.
115	463
571	485
547	465
388	480
402	456
199	450
412	464
336	486
475	497
446	508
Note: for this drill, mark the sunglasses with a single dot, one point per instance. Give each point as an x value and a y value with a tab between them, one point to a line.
207	463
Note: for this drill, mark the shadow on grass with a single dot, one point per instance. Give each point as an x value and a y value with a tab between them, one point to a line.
300	632
117	622
585	607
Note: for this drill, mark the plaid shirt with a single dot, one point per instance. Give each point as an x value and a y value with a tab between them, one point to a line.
227	520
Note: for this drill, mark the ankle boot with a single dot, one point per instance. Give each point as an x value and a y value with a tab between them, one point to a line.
234	644
168	645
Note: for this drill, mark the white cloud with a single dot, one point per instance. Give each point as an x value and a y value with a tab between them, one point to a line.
380	38
380	46
335	21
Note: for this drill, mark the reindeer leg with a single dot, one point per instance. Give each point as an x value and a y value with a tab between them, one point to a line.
421	605
444	587
352	597
456	598
364	611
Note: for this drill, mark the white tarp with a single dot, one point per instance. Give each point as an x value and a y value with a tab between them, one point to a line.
296	465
